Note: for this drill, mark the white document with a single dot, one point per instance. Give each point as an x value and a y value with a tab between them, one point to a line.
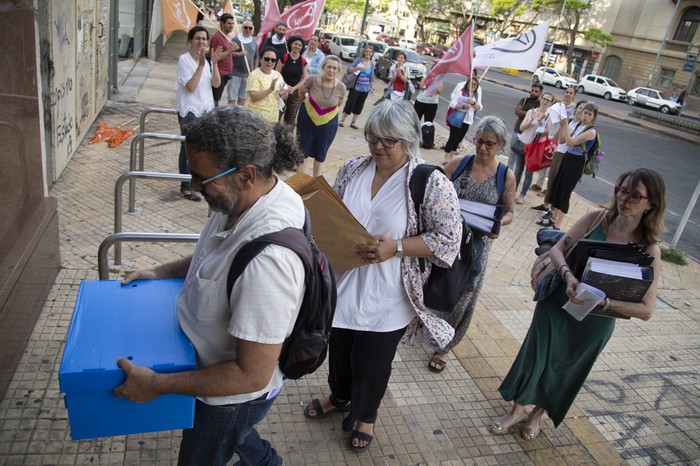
478	208
619	269
589	295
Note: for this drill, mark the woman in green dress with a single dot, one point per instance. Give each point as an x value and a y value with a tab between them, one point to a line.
559	351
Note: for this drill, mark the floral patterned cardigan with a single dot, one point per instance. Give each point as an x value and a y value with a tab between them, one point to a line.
441	224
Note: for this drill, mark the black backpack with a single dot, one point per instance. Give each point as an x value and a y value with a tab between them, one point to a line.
427	135
305	349
444	286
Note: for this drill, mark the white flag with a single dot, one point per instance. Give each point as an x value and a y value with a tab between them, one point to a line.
521	52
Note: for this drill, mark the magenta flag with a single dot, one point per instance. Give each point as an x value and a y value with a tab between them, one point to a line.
457	60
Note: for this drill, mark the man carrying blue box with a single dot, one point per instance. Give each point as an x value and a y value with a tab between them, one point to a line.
232	154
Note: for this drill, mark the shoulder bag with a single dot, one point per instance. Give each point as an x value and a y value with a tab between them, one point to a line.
544	278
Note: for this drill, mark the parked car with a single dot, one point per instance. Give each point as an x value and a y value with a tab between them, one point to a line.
422	47
344	47
408	44
414	65
438	51
652	98
600	85
390	41
325	44
553	77
378	47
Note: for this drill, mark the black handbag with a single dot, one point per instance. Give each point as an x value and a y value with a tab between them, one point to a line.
445	286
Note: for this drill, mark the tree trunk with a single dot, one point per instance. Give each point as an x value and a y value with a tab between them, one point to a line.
572	42
257	13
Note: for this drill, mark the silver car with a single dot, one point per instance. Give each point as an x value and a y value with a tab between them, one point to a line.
652	98
415	68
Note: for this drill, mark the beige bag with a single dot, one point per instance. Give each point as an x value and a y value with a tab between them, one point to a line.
543	264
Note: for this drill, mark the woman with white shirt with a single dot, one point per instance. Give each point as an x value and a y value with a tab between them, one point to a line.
194	79
313	56
382	302
537	122
462	98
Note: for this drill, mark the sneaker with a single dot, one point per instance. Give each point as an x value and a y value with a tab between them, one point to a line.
540	208
547	215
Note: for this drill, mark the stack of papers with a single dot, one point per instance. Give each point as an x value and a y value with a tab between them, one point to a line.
590	296
483	217
619	269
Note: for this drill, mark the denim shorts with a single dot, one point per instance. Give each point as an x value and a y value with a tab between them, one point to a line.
236	88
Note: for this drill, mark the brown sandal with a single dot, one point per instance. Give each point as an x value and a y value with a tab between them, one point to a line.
436	364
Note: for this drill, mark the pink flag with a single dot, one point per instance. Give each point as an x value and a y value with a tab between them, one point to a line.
457	60
272	17
302	18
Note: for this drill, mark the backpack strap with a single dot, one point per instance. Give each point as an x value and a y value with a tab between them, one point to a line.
416	186
501	172
466	160
284	58
295	239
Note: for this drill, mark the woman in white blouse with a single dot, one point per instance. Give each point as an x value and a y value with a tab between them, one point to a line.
462	98
194	79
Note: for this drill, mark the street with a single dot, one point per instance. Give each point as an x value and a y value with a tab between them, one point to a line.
626	146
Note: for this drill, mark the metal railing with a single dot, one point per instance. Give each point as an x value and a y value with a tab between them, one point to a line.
118	200
131	236
138	139
142	120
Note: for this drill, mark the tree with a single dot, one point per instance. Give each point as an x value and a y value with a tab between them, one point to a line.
505	11
598	37
572	18
420	9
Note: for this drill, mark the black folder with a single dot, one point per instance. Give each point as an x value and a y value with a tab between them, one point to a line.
630	253
619	288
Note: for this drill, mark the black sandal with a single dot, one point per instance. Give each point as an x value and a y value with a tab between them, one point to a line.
339	406
356	434
547	223
190	195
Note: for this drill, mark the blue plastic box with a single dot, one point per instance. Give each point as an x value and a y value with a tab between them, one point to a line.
138	321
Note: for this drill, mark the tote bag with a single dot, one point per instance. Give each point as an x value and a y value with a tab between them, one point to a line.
539	154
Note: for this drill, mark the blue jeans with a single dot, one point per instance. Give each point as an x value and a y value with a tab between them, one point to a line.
185	123
221	431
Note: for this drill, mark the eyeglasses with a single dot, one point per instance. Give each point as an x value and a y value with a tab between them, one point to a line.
215	177
633	197
546	100
270	59
386	143
249	28
489	144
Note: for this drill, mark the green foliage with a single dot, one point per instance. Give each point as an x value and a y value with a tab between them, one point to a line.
673	256
338	7
598	37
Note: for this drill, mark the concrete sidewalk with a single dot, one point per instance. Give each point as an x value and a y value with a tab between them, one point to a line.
639	406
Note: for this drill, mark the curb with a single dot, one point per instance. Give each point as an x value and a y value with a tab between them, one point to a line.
653	128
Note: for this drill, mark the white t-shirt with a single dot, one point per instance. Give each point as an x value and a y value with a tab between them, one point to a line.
201	100
454	100
266	298
372	297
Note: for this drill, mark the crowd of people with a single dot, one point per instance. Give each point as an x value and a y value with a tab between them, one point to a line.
284	108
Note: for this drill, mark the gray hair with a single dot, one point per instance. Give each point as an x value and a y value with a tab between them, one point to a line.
396	120
236	136
494	125
331	58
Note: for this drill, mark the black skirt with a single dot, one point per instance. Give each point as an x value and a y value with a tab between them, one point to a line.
570	172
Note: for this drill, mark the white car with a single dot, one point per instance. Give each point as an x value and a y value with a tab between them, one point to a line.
345	47
378	47
600	85
652	98
553	77
408	44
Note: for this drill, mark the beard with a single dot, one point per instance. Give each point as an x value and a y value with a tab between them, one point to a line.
224	202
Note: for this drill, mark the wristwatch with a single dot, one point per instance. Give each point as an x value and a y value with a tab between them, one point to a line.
399	249
607	304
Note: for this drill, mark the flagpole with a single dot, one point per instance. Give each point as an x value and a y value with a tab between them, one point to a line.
471	47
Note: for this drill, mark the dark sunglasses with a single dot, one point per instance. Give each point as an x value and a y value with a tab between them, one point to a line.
250	28
269	59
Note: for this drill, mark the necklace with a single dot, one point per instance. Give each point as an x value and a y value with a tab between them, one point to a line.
323	92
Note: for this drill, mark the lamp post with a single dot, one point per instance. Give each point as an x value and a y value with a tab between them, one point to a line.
663	42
